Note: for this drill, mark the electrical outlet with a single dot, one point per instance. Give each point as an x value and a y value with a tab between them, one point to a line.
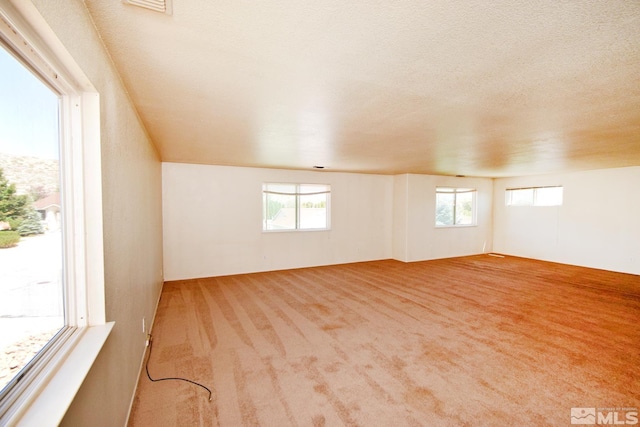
144	326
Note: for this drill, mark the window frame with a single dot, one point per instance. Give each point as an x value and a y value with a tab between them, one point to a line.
298	194
41	392
534	203
455	192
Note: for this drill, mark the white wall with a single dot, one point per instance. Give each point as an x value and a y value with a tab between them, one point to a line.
213	221
598	224
416	237
400	244
132	224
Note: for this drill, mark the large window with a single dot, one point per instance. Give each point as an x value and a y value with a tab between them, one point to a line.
31	276
455	207
51	253
295	206
534	196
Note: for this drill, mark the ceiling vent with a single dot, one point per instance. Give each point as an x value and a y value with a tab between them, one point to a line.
162	6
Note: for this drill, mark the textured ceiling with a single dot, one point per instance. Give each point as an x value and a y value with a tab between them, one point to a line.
473	88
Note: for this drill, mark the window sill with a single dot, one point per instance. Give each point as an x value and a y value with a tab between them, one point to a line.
296	230
456	226
48	402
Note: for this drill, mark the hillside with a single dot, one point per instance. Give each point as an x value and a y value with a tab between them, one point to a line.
31	174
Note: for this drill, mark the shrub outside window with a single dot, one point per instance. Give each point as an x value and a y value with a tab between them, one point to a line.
455	207
295	207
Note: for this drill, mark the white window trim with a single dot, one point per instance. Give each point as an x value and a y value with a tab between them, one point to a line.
474	220
49	387
298	230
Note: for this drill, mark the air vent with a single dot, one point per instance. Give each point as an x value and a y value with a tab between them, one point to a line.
162	6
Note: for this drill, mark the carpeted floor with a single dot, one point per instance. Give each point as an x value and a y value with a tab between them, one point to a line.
469	341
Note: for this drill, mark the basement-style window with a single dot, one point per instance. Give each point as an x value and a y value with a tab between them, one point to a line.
534	196
455	207
295	207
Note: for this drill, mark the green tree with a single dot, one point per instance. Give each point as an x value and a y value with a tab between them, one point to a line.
273	207
464	212
444	208
12	206
31	224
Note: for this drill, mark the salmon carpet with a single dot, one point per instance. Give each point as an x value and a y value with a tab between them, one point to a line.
468	341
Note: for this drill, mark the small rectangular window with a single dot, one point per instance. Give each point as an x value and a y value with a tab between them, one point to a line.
534	196
455	206
295	206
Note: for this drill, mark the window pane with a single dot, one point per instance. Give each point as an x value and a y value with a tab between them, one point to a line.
464	208
280	212
31	286
313	211
549	196
444	208
520	197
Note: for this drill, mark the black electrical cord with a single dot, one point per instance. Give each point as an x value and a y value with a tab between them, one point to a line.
146	367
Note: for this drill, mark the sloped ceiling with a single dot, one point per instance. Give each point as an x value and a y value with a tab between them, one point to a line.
472	88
